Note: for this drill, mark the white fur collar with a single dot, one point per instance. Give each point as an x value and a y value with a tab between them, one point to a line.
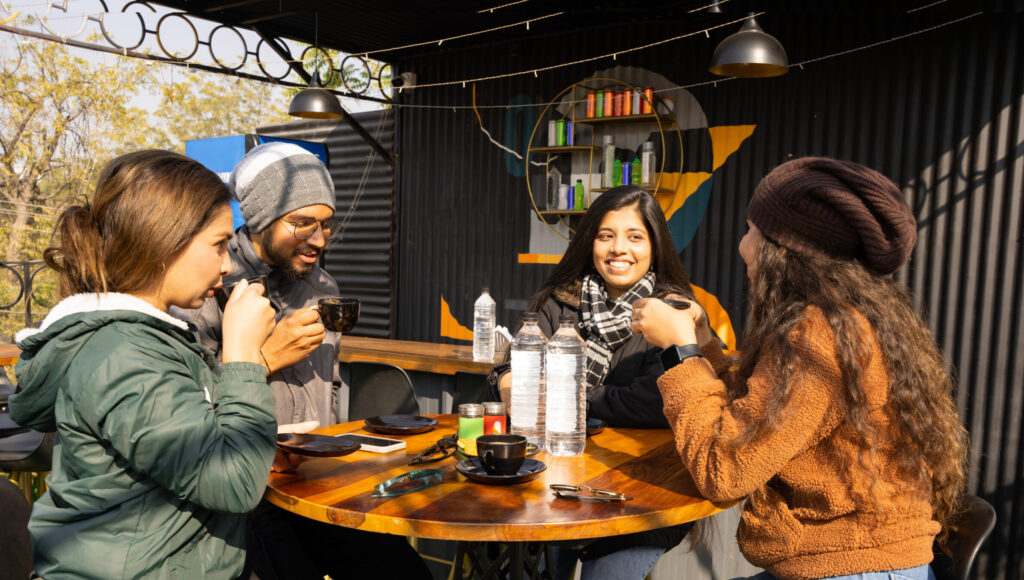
94	302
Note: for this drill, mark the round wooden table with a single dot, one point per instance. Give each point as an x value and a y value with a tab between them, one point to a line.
640	463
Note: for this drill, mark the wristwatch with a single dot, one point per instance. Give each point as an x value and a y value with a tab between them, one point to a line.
676	354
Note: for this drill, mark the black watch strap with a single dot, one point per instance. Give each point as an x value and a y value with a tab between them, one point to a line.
676	354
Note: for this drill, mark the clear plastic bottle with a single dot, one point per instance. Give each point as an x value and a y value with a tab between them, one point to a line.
483	327
528	381
565	362
647	161
609	160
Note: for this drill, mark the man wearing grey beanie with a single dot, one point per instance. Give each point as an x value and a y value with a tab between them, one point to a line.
286	196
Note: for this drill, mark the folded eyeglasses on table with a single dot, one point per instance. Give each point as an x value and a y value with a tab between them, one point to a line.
586	492
443	449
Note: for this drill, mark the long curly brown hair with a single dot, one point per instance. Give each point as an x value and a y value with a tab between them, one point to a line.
933	444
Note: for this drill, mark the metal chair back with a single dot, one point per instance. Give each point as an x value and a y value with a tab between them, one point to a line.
379	389
970	530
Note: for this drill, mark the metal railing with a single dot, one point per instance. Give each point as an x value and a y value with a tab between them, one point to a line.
22	274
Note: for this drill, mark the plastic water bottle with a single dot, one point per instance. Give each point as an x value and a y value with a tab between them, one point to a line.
483	327
566	431
528	392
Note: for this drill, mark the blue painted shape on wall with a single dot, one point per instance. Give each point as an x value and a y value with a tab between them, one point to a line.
318	149
683	224
519	120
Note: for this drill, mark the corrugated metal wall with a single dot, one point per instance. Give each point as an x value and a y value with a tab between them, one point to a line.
939	112
360	255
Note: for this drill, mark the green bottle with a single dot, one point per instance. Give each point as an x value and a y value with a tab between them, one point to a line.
617	173
577	196
634	172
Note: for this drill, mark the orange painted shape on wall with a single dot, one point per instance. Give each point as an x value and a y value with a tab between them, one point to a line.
540	258
726	140
718	318
450	327
683	185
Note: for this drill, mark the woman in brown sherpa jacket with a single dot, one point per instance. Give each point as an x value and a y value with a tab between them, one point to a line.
838	427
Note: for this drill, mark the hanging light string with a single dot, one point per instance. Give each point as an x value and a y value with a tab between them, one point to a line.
714	82
460	36
613	55
705	7
491	10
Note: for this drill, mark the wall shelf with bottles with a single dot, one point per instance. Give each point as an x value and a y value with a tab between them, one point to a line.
581	155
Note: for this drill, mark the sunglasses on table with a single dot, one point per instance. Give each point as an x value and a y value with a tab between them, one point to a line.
586	492
442	449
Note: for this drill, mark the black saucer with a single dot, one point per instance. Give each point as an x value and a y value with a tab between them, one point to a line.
312	445
474	471
595	426
401	424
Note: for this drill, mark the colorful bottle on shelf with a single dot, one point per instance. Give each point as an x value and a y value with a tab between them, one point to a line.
616	173
647	162
627	102
627	173
569	128
609	160
578	193
552	133
617	104
609	103
648	105
636	171
591	104
599	104
560	128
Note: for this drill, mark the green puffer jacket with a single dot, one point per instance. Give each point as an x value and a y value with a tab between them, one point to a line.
160	450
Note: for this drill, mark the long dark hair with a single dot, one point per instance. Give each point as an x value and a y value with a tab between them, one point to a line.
147	207
931	445
578	258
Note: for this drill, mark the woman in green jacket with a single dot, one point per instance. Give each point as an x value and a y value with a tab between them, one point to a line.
161	450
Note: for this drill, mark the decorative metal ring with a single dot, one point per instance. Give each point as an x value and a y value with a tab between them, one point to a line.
259	61
160	41
380	79
241	39
142	26
358	61
329	79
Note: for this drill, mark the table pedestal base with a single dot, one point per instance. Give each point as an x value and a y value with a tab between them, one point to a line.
499	560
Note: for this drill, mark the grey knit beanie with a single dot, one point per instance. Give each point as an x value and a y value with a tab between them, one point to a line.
276	178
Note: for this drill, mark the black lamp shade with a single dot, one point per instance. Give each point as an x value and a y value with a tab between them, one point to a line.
315	102
750	53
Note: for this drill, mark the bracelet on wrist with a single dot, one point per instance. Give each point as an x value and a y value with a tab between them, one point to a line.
265	363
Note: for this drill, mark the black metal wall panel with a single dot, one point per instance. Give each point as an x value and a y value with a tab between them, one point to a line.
359	257
940	112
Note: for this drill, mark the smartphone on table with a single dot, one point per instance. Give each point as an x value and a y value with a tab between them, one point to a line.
375	444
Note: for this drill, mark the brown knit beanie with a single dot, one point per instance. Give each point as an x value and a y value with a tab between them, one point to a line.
839	208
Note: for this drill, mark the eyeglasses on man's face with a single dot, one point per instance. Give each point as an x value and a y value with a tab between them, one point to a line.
304	228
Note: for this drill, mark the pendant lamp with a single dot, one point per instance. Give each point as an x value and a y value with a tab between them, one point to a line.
750	53
315	102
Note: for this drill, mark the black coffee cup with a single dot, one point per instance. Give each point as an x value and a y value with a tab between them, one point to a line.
224	292
501	454
338	314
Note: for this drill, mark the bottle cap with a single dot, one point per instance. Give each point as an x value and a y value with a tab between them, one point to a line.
494	408
647	145
609	139
530	317
471	410
566	319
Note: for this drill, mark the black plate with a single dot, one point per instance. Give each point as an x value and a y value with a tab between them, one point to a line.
312	445
474	471
401	424
595	426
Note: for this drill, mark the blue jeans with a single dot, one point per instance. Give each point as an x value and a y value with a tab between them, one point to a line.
629	564
923	572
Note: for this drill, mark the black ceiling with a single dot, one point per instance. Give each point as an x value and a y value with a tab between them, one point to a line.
356	27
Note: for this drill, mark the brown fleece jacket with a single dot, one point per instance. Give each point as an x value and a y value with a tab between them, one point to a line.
808	512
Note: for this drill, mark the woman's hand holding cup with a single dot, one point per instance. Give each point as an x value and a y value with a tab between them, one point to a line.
663	325
248	321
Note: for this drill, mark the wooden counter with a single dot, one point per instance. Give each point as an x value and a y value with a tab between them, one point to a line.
429	357
9	354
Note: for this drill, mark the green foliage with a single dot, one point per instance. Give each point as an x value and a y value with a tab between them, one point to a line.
62	116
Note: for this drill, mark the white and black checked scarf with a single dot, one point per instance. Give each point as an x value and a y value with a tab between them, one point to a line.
607	322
